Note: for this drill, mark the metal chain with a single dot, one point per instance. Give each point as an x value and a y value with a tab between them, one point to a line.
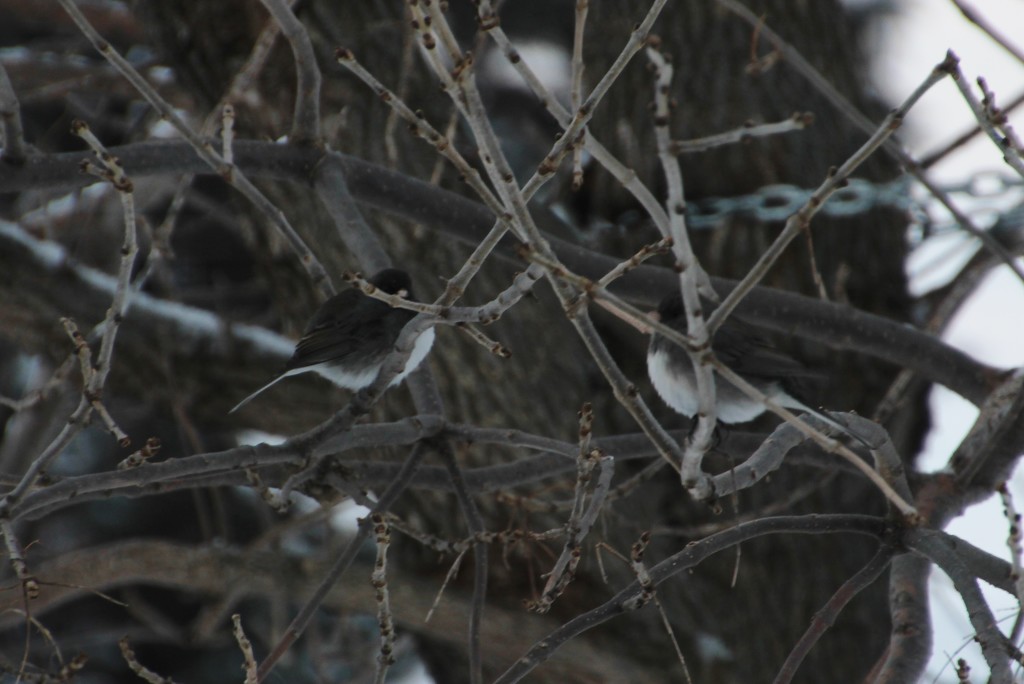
773	203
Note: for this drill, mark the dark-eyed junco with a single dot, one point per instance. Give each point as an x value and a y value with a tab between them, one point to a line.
351	334
739	346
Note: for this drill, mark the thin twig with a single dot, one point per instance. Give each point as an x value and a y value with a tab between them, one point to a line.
483	340
240	89
643	254
405	73
1010	142
344	560
453	570
138	668
467	98
581	515
94	377
484	314
643	575
691	277
14	150
986	629
84	354
1013	541
802	218
29	584
379	581
41	392
477	529
245	646
827	615
129	248
989	118
978	20
576	93
637	39
230	173
422	128
243	83
77	420
797	122
933	158
691	555
227	133
797	61
826	443
624	175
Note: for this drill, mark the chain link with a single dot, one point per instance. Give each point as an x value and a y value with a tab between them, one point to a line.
773	203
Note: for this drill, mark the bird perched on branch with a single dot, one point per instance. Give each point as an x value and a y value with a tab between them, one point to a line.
351	334
739	346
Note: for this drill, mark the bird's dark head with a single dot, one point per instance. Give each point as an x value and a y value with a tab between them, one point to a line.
671	308
392	281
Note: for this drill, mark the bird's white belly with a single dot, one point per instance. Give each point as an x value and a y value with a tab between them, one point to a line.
342	377
679	391
356	380
420	349
676	389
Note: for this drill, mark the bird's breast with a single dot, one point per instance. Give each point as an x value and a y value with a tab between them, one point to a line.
674	385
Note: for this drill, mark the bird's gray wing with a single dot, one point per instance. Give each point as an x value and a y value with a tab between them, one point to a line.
740	347
340	328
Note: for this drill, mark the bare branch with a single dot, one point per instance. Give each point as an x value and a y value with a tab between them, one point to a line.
827	443
332	187
693	280
421	127
477	529
138	668
801	219
306	119
690	556
229	172
1013	542
576	93
379	581
977	19
827	615
227	133
910	639
992	121
582	516
797	122
129	248
987	633
10	111
245	646
820	83
836	326
341	564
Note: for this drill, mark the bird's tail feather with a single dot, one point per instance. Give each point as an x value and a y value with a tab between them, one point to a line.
256	393
822	416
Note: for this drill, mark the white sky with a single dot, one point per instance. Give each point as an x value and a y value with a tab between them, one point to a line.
991	326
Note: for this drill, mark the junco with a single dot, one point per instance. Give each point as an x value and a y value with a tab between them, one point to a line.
741	348
351	334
